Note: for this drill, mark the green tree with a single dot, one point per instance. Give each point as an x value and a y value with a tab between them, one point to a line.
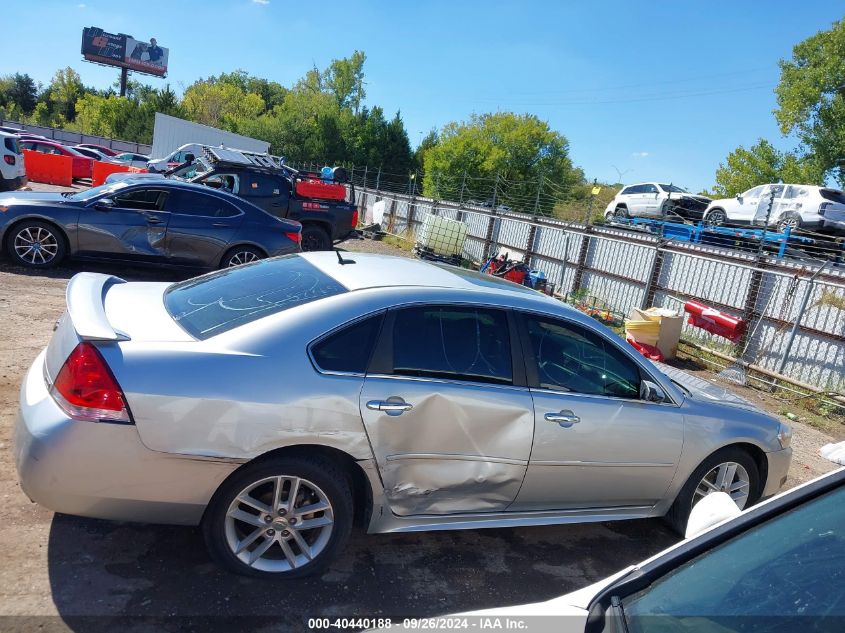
220	104
811	98
344	78
18	90
763	163
64	90
505	152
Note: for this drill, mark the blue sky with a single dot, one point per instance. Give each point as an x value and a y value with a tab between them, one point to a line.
653	90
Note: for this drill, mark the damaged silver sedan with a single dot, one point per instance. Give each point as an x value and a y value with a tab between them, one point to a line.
278	402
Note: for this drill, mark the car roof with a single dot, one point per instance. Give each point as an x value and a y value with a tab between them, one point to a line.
378	271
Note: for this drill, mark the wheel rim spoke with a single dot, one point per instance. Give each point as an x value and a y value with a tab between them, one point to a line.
289	555
303	545
246	517
728	477
254	503
312	508
259	551
249	540
310	524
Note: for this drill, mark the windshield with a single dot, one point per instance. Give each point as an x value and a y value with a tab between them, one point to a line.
673	189
93	192
186	172
232	297
792	565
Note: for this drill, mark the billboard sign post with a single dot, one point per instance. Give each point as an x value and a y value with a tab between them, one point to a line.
124	52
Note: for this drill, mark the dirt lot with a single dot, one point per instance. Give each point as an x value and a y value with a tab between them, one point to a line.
93	573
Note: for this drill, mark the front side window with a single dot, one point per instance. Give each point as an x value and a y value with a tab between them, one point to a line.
142	199
348	349
784	575
569	357
218	302
455	343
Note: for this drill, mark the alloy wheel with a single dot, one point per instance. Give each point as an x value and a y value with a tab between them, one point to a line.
715	218
728	477
792	223
36	245
279	523
242	257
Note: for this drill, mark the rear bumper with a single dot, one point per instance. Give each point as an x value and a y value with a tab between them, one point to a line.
10	184
103	470
778	468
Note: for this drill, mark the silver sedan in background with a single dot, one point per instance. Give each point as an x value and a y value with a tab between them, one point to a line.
272	403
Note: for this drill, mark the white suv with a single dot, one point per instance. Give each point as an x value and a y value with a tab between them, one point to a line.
12	169
794	206
656	200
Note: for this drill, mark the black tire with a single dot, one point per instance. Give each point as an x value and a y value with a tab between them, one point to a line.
241	255
715	217
315	238
679	512
48	243
790	218
331	481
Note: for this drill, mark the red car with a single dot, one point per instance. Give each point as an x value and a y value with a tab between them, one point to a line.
82	165
108	151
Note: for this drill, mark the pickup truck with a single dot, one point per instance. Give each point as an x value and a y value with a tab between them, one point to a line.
265	182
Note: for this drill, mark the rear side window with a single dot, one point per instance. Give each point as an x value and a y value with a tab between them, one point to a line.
216	303
11	145
262	186
143	199
349	349
191	203
457	343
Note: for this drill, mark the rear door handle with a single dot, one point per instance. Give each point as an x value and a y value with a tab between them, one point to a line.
153	220
391	406
219	224
564	418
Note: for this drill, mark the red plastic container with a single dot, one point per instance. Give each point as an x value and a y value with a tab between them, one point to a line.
320	190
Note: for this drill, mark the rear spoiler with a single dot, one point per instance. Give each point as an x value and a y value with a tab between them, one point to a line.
86	294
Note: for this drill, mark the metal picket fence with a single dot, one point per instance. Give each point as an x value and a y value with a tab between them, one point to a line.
795	310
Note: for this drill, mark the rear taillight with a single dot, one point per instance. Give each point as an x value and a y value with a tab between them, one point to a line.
10	160
354	218
295	236
86	389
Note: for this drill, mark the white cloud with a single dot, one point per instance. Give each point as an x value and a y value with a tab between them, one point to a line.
81	6
262	2
639	154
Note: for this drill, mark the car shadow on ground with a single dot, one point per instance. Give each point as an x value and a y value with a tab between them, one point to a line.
105	574
128	272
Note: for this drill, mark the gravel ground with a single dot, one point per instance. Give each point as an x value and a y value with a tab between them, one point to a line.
91	573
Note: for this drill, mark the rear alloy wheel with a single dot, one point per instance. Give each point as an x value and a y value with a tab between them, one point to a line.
716	217
315	238
36	245
284	518
241	255
790	220
730	470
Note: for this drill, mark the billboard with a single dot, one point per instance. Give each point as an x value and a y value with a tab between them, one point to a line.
124	51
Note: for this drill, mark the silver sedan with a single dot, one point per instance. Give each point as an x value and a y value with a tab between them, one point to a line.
276	402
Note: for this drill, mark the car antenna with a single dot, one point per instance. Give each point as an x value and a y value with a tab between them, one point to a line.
341	260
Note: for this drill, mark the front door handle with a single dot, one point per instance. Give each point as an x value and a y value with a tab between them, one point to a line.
219	224
153	220
391	406
564	418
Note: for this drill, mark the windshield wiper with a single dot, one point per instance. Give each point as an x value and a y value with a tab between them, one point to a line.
618	612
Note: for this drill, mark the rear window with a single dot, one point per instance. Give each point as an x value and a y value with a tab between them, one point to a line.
216	303
11	145
833	195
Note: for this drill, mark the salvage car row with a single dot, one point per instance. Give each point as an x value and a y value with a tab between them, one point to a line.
806	207
207	215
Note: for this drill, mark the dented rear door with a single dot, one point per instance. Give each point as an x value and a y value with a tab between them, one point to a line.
449	422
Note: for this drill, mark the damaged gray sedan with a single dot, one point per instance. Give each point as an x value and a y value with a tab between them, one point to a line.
275	403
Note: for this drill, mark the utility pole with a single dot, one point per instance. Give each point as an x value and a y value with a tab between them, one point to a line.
589	219
537	199
378	178
124	76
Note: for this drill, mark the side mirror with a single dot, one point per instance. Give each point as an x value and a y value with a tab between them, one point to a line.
104	204
739	197
712	509
651	392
